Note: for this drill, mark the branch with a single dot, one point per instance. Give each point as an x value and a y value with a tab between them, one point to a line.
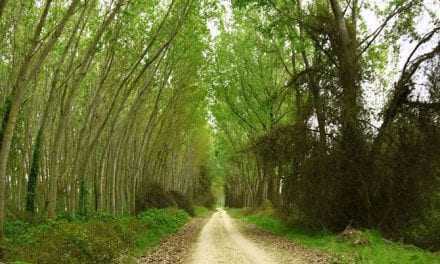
425	39
348	2
237	113
403	88
280	55
424	105
297	76
373	36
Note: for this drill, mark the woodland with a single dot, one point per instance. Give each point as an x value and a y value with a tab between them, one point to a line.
332	117
327	110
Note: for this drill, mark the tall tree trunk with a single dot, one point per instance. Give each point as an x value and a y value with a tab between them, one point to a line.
345	44
18	91
2	6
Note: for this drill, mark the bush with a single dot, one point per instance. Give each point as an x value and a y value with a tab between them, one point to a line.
16	228
155	196
183	202
160	222
426	232
70	242
202	194
382	187
97	239
366	246
206	200
201	211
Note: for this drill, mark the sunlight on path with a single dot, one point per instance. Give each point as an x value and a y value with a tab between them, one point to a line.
221	242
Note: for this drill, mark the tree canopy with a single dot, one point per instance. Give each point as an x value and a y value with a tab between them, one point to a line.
328	109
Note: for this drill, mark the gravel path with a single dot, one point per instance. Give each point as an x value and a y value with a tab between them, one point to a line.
222	240
176	248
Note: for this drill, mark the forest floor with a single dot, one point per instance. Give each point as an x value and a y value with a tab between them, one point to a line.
221	239
362	246
176	248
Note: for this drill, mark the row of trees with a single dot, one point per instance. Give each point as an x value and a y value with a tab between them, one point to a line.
294	94
99	100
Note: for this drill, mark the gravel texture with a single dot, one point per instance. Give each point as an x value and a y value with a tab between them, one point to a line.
221	239
176	248
224	240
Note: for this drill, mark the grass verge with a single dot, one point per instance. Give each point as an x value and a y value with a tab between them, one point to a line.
96	239
377	251
201	211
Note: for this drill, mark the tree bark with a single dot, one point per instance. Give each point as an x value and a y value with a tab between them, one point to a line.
18	91
2	6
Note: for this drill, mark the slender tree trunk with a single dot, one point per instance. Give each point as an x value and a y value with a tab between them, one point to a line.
346	44
2	6
18	91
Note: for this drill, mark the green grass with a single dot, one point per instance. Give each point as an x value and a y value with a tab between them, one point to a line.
162	222
201	211
378	251
95	239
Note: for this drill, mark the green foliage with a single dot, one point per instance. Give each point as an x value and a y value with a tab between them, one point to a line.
156	197
201	211
203	194
290	100
160	222
5	110
95	239
183	202
244	3
378	251
119	84
426	231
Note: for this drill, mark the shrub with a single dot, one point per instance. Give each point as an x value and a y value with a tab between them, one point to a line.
366	246
202	194
70	242
160	222
183	202
16	228
426	232
96	239
154	196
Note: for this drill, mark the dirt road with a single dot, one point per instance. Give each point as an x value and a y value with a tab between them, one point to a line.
221	241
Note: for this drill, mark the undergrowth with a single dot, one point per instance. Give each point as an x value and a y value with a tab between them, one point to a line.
377	251
201	211
95	239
